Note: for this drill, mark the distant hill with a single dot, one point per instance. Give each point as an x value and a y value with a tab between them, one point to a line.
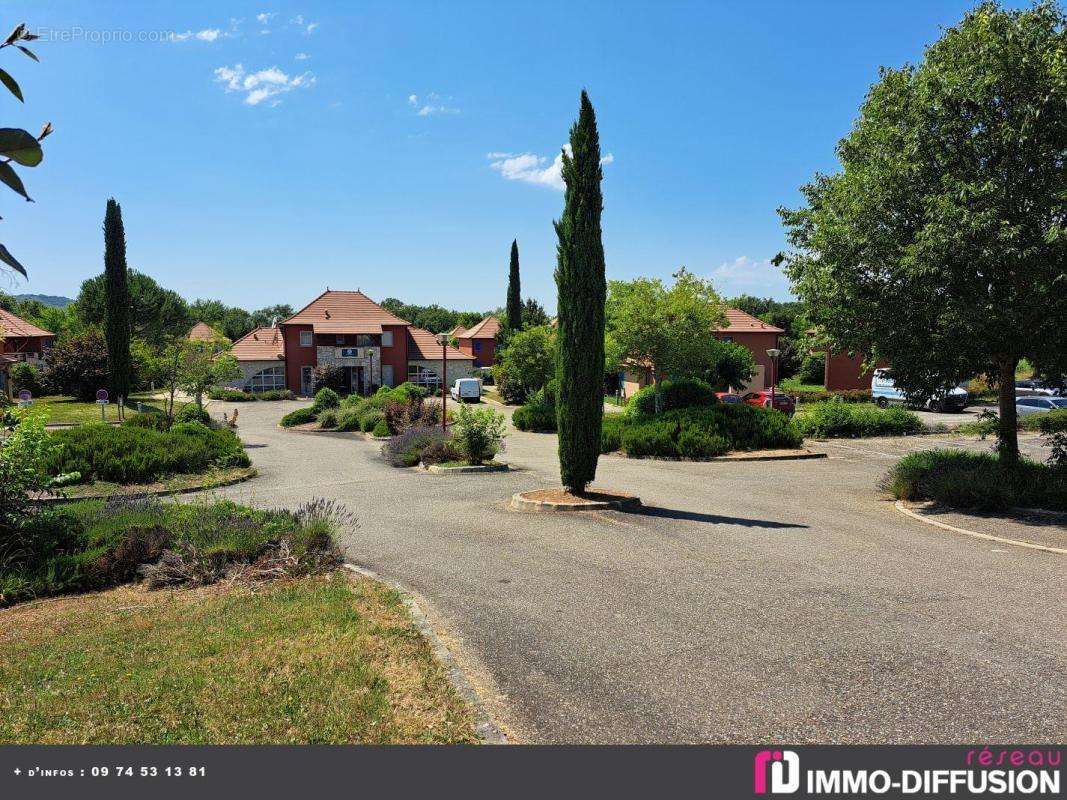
47	299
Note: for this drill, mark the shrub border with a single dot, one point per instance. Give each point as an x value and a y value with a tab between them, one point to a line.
243	474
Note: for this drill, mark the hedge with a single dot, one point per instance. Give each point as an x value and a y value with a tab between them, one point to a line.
685	393
966	479
239	396
129	454
699	432
836	418
298	417
820	395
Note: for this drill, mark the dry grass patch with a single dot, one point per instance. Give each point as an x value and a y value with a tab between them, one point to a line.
325	659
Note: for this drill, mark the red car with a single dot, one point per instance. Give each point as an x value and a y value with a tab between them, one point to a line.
782	402
728	397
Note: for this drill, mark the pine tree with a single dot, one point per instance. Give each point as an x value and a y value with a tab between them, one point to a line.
581	292
117	302
514	308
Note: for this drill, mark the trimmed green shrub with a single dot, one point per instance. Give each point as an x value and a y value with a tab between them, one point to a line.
371	419
192	413
819	395
239	396
328	419
347	419
326	398
148	419
711	430
966	479
381	429
26	376
539	412
479	433
128	454
299	417
685	393
696	442
812	368
838	419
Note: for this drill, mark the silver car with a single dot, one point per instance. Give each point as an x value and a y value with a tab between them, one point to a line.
1024	406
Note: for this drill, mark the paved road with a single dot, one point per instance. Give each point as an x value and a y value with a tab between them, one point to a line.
747	602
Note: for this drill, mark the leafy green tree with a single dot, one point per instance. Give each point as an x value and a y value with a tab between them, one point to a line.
117	325
668	331
529	360
514	306
581	290
264	317
203	365
17	145
533	313
941	243
78	366
157	314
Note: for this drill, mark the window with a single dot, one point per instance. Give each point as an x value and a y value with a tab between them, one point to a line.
477	346
423	376
364	340
339	340
305	338
267	380
387	375
387	338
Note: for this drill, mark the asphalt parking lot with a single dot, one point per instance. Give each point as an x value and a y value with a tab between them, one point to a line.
746	602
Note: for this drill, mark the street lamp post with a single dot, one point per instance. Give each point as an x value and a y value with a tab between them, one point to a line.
773	352
444	373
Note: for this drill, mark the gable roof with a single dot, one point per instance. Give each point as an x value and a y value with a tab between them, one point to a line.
203	332
738	321
12	326
344	312
457	331
488	328
261	344
423	346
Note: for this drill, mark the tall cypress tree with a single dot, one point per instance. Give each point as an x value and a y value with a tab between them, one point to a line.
514	308
581	292
117	323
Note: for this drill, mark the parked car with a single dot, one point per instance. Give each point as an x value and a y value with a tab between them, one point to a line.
1032	388
466	390
884	391
782	402
1024	406
728	397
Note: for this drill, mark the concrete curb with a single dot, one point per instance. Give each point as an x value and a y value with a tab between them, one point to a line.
520	503
484	726
252	473
437	469
903	509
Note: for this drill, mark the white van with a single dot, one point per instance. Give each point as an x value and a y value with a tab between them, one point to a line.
466	390
885	391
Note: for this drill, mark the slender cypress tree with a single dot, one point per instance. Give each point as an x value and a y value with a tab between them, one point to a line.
514	309
117	323
581	292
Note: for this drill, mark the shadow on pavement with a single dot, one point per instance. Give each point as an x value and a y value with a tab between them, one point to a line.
712	519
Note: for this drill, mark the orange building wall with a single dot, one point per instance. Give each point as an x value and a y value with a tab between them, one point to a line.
843	372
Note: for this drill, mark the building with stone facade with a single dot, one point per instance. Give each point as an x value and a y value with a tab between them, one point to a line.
349	330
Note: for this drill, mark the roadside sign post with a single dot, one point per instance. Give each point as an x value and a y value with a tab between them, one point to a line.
25	398
101	399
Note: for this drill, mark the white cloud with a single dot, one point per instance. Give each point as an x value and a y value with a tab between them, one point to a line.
266	84
746	275
432	105
302	56
307	27
265	17
532	168
205	35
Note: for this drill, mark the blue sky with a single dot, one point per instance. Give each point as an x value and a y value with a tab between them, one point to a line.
263	151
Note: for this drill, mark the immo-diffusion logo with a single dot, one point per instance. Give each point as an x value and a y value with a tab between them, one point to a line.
784	771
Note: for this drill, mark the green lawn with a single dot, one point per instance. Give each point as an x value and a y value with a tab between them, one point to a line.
794	385
62	409
326	659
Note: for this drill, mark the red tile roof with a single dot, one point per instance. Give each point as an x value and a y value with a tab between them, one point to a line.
344	312
203	332
262	344
457	331
423	346
740	322
486	329
12	326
